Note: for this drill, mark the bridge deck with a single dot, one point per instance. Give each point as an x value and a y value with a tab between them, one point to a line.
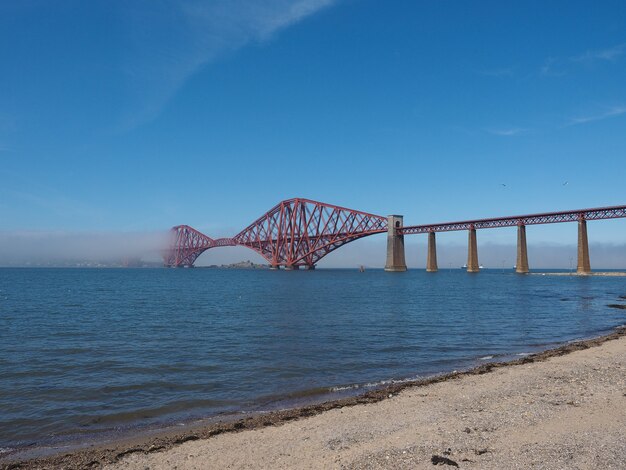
613	212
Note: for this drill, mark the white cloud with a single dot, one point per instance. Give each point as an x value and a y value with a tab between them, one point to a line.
612	112
552	67
559	66
610	54
508	131
171	40
499	72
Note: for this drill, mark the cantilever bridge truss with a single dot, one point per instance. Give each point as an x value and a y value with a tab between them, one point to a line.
299	232
186	244
294	233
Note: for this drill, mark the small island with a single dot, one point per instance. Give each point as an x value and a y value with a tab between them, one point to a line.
240	265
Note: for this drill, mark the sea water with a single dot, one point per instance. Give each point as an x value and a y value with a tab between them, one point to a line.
90	351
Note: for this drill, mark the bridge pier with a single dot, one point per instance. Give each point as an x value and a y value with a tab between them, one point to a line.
395	245
521	266
584	266
431	260
292	267
472	252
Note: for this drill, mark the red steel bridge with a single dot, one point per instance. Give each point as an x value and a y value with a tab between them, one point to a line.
294	233
299	232
613	212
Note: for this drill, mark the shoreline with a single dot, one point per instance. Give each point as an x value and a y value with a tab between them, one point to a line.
100	454
574	273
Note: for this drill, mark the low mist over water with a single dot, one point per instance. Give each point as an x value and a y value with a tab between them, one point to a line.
61	248
111	248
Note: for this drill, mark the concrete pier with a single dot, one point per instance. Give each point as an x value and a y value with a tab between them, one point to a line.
395	245
584	266
431	260
472	252
292	267
521	266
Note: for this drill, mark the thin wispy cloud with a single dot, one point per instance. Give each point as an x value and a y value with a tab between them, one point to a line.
498	72
507	131
611	54
171	40
610	113
554	67
559	66
52	202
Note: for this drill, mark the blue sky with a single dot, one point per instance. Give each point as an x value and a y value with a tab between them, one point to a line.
123	116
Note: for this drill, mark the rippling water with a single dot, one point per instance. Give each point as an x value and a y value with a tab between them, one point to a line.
90	351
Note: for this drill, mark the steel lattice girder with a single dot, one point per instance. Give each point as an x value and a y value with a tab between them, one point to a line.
613	212
300	232
187	243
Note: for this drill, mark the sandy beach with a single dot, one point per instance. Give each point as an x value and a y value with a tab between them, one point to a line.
565	408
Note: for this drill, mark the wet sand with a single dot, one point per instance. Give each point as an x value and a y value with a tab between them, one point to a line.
563	408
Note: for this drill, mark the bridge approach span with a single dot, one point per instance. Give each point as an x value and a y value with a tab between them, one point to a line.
612	212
